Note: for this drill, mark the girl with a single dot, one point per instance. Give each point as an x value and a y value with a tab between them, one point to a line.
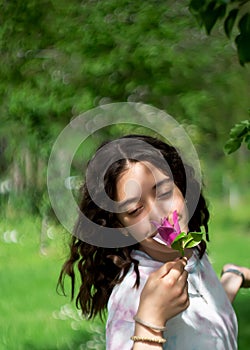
155	299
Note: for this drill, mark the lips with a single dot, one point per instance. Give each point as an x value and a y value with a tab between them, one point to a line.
159	239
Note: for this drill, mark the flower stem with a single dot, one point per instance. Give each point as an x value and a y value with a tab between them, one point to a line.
182	249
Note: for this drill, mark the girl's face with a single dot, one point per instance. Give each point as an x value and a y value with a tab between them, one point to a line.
146	194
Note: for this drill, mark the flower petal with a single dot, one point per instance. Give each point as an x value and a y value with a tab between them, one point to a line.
165	231
167	234
167	240
156	224
166	223
172	237
176	222
158	238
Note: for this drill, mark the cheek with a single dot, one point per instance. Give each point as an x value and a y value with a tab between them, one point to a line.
178	202
140	229
166	207
182	207
163	208
183	211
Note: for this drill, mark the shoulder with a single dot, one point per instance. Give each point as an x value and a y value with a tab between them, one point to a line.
125	296
124	300
123	304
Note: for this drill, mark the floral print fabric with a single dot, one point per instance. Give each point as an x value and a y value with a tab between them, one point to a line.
208	323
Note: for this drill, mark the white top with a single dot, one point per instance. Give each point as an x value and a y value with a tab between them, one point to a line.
204	325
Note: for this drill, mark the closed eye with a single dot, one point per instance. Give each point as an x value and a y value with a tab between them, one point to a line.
165	194
135	211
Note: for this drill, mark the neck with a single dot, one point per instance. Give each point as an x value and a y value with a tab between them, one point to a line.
170	255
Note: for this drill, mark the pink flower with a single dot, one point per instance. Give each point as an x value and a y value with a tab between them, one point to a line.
172	236
167	232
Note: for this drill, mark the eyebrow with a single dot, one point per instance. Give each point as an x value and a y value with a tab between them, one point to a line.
166	181
121	205
136	199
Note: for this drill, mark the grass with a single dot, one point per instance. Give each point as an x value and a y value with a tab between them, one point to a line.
34	317
230	242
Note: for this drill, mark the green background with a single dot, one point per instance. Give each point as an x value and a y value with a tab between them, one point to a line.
59	59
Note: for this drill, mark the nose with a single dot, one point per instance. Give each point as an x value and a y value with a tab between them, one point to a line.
156	212
170	218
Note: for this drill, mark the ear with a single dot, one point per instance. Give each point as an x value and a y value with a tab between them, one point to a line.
123	231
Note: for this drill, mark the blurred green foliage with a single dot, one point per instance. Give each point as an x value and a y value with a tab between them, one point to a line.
231	12
60	58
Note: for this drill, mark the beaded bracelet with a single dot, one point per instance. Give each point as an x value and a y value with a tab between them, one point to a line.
136	338
149	325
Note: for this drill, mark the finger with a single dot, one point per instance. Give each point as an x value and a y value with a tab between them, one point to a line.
183	278
179	267
185	259
176	272
181	258
182	289
164	269
185	296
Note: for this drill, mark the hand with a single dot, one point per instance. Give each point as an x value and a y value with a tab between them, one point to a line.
165	293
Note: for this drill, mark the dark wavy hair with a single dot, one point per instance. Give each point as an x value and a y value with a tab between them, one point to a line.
101	268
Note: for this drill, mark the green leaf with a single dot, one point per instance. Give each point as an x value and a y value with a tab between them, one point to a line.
238	130
232	145
244	24
209	17
196	5
192	243
212	14
247	140
178	242
243	48
189	240
180	237
177	245
192	239
242	40
195	235
229	21
238	133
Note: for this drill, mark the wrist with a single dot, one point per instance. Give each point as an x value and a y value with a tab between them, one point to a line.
152	318
142	330
143	333
149	325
